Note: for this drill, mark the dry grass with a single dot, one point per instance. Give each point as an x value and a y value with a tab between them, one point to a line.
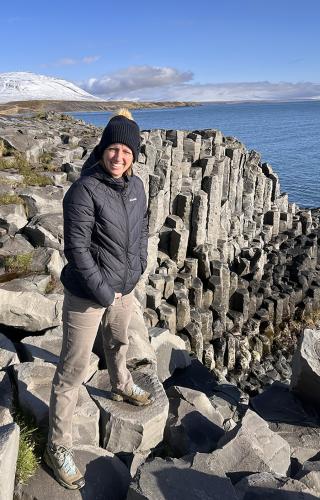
18	263
10	199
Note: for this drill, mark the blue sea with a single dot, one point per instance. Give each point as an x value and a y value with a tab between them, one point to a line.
286	134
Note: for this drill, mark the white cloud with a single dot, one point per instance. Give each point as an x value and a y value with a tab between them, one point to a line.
166	83
135	79
90	59
68	61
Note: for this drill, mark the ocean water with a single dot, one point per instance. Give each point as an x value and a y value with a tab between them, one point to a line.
286	134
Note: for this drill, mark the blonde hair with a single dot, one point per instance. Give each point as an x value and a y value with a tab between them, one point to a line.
123	112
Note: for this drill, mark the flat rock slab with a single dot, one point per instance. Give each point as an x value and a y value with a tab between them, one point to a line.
252	447
34	388
170	351
6	399
179	479
8	354
305	378
107	478
125	427
193	424
29	310
47	348
9	446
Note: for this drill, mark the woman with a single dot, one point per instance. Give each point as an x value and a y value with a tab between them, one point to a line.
105	236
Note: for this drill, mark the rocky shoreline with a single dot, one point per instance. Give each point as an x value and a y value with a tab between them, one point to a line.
232	280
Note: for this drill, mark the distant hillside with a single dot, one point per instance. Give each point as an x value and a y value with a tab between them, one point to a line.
13	108
23	86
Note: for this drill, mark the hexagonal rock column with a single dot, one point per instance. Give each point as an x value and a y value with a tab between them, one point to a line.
252	447
306	367
106	478
47	348
193	424
8	355
125	427
181	479
170	351
9	445
34	389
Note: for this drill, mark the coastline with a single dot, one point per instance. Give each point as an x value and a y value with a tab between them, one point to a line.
43	106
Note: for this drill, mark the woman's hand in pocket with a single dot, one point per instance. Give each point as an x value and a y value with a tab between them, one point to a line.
116	296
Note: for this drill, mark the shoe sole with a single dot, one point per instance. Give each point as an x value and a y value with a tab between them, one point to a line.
119	398
48	462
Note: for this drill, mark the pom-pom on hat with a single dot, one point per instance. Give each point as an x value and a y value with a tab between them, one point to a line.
121	129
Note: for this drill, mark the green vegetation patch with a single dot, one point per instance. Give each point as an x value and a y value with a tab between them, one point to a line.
27	462
5	164
30	175
18	263
10	199
32	178
31	443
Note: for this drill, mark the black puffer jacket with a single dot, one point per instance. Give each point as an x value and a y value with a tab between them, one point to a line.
105	235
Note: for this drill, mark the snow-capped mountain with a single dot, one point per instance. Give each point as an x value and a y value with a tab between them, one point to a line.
23	86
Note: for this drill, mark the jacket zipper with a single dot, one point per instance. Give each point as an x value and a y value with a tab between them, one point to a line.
127	240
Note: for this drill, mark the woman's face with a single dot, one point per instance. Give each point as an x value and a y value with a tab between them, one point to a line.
117	158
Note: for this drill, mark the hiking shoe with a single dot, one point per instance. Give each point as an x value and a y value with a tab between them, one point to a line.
136	395
60	460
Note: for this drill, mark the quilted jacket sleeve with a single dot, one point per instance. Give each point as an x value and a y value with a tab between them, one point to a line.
79	218
144	233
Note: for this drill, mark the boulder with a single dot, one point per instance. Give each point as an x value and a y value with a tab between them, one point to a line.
43	311
47	348
170	352
12	217
46	230
9	446
192	477
8	354
15	245
6	399
34	382
125	427
106	478
269	486
42	200
252	447
306	367
310	475
193	424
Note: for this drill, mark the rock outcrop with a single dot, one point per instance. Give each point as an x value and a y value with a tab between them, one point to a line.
230	263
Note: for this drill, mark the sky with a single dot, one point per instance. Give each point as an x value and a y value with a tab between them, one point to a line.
169	50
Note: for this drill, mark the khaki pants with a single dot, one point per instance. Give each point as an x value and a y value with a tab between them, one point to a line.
81	319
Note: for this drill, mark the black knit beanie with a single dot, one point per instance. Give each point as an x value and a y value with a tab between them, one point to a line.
121	130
